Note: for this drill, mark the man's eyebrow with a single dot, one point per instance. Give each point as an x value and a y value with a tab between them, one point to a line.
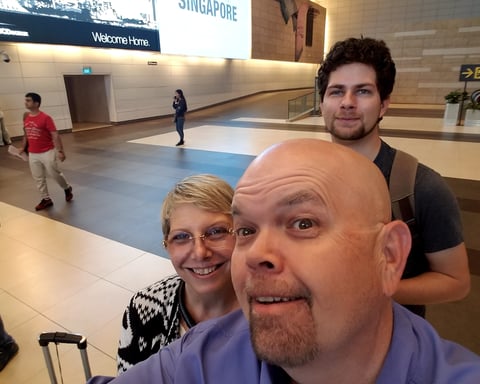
335	86
295	198
361	85
365	85
235	211
299	197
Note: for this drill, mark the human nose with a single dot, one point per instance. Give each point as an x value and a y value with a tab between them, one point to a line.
263	255
348	100
199	248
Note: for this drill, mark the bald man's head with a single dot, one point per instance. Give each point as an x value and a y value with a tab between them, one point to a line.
316	257
345	175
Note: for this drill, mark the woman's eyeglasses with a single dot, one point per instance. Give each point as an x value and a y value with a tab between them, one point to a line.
214	237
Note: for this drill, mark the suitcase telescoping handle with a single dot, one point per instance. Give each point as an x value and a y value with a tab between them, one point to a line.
64	338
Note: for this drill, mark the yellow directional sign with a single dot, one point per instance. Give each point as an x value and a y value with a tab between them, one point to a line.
469	72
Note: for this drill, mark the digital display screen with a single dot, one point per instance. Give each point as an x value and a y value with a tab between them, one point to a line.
209	28
92	23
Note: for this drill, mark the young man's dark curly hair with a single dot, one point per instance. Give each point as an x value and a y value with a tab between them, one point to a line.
371	52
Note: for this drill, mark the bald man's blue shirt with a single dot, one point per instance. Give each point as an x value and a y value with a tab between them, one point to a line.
214	351
220	351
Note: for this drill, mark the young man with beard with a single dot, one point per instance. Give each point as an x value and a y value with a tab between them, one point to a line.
316	262
355	83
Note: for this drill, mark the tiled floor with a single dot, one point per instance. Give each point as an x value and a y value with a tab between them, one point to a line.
75	266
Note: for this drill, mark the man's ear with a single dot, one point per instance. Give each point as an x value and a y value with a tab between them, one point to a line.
384	106
397	241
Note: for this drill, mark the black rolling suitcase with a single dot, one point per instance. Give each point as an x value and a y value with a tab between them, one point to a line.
64	338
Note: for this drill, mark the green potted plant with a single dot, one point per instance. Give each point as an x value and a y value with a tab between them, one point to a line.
452	107
454	97
472	114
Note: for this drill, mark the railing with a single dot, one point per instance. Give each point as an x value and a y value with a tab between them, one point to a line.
302	106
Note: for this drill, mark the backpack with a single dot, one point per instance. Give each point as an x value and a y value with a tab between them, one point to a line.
402	184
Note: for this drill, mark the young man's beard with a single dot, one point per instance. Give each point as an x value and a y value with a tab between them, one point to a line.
357	134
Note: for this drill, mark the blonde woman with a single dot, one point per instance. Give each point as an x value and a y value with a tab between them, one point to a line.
198	236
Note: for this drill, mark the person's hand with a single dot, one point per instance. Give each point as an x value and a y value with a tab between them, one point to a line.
61	156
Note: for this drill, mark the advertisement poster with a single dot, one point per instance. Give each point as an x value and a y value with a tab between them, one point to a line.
92	23
213	28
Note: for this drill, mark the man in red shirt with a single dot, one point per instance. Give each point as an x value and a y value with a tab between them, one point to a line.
44	147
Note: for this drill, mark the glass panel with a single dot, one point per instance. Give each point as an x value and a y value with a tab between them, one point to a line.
301	105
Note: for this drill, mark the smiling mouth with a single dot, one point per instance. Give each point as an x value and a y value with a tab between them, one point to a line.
274	300
204	271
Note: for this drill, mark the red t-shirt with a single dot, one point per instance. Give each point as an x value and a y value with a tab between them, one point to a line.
38	130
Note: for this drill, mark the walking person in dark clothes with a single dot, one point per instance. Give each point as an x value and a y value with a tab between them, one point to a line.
180	106
8	346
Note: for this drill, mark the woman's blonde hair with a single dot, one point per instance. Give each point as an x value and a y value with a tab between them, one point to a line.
205	191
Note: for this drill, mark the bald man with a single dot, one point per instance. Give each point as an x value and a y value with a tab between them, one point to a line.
316	263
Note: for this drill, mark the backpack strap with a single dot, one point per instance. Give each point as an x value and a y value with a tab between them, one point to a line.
402	185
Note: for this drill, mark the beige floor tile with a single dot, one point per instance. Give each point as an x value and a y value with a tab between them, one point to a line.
32	229
106	337
11	247
90	308
65	242
250	141
14	313
8	212
101	364
450	159
141	272
22	264
103	259
46	281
